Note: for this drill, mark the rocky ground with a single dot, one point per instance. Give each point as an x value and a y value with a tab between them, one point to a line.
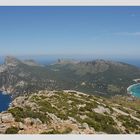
67	112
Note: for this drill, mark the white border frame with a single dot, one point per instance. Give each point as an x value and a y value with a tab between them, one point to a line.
70	137
70	2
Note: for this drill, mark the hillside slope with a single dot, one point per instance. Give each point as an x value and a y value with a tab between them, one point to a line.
68	112
100	77
105	77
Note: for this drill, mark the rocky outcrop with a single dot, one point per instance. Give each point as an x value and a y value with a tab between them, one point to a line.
6	121
70	112
101	110
6	118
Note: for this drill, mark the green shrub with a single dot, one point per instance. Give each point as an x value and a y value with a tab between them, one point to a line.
34	98
129	123
82	109
46	107
51	132
103	119
78	119
67	131
61	115
18	113
110	129
12	130
93	123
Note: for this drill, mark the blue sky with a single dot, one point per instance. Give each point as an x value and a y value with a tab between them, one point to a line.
70	31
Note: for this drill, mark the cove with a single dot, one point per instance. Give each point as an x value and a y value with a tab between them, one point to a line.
134	90
5	100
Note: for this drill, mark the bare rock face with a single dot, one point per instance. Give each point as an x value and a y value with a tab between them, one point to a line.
101	110
19	101
6	118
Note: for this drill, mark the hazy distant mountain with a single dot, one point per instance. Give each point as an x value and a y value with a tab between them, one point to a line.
31	63
103	76
99	76
18	77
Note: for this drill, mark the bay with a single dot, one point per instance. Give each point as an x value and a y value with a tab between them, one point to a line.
135	90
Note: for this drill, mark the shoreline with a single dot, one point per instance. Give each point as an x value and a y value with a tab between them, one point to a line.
129	88
4	92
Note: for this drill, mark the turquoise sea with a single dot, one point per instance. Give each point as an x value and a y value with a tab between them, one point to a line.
135	90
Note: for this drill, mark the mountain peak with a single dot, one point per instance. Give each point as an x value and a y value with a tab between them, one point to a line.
11	61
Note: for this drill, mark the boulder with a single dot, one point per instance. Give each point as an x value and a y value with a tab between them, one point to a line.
3	128
7	118
21	126
85	125
27	121
37	121
101	110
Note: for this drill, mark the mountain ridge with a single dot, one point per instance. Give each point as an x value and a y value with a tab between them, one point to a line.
107	77
69	112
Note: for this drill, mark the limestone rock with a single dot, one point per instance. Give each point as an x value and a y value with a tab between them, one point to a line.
101	110
36	121
19	101
7	118
31	121
3	128
85	125
27	121
21	125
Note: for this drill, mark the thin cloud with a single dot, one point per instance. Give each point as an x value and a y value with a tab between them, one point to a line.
128	33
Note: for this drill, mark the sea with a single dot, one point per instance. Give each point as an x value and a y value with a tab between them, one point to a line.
134	90
5	101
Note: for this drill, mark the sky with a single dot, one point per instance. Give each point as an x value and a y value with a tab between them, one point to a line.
102	32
